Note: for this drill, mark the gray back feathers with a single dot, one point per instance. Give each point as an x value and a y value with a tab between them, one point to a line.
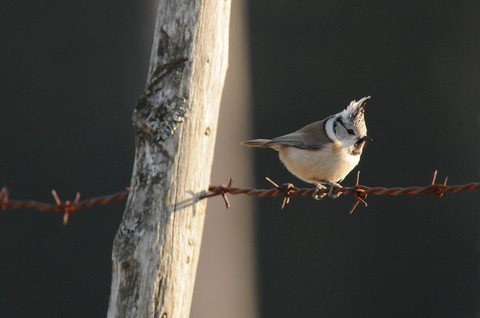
312	136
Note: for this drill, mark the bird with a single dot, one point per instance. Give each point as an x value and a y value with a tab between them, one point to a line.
323	152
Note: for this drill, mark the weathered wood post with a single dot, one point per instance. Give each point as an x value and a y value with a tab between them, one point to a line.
156	248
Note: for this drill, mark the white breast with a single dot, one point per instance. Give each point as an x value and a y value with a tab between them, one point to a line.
331	163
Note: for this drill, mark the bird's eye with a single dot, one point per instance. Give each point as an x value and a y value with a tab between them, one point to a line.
350	132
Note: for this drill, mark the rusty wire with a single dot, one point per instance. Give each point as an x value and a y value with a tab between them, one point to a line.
287	191
360	192
66	207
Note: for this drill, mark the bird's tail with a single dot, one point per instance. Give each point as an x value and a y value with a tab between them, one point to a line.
257	143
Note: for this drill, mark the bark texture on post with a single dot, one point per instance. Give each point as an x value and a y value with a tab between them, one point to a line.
156	248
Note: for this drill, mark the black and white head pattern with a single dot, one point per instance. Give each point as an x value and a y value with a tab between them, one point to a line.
348	126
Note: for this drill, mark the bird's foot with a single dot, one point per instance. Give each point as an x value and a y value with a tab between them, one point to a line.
332	186
316	195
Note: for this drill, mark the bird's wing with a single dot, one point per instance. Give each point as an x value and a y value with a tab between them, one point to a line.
312	136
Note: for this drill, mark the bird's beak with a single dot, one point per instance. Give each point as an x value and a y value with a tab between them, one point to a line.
366	138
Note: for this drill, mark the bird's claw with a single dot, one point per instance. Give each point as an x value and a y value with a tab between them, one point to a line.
332	186
316	195
331	192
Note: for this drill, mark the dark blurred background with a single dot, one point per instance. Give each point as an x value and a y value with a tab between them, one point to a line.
70	75
402	256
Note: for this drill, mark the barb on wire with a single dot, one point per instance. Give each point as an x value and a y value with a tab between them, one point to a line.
286	188
66	207
222	190
360	196
360	192
287	191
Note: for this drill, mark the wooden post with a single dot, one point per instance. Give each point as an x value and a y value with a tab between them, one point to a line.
155	251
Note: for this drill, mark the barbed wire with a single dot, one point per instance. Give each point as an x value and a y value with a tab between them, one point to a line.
67	207
360	192
287	191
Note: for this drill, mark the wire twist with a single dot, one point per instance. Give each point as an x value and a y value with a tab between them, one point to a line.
67	207
287	191
360	192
